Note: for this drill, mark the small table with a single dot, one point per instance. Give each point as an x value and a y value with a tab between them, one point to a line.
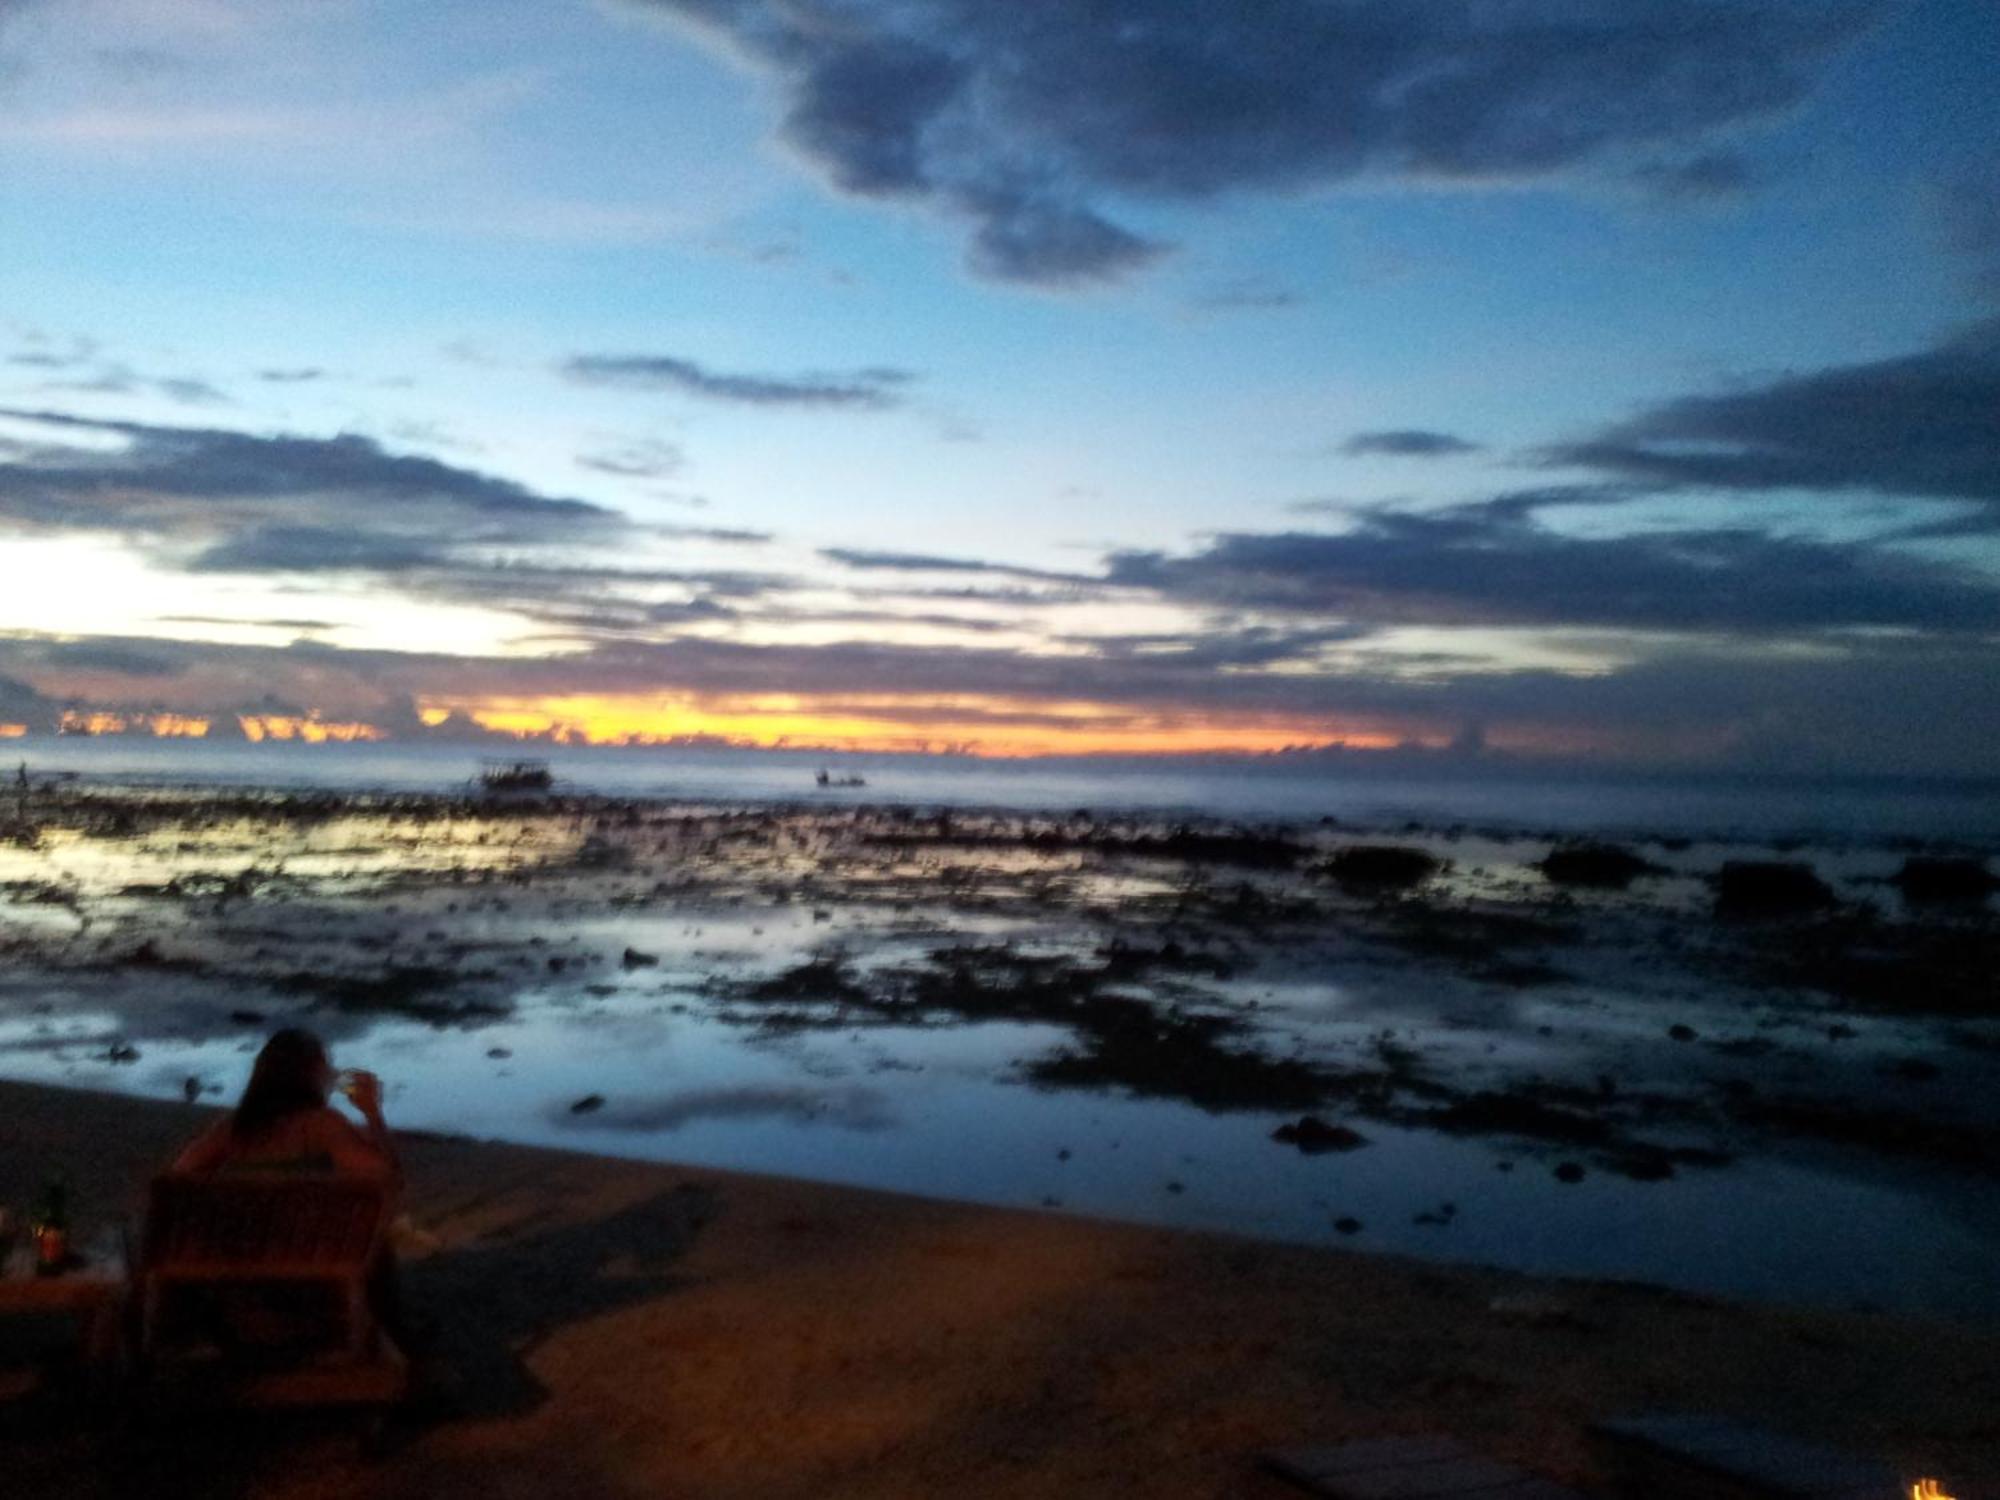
92	1293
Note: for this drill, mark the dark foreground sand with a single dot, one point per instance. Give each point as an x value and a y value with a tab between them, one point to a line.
624	1329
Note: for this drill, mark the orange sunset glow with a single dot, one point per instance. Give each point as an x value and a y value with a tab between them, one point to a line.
164	726
996	728
313	731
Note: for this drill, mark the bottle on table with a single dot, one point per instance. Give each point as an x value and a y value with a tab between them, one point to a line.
50	1228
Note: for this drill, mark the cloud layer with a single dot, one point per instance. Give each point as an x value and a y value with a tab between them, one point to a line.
1020	118
1481	567
862	390
1563	614
1407	442
1920	425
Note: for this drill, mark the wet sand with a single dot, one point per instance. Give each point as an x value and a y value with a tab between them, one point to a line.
618	1329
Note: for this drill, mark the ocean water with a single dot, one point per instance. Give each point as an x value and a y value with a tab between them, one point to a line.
1366	794
691	1066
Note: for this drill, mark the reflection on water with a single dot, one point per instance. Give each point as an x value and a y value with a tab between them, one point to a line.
1050	1013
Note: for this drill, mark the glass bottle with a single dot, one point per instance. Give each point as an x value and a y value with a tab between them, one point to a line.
50	1228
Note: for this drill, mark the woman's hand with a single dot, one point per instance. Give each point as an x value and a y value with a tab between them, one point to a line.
364	1091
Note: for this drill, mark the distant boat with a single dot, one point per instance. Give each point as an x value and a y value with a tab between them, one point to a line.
826	778
503	776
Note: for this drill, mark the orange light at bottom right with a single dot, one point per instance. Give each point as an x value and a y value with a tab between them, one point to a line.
1927	1489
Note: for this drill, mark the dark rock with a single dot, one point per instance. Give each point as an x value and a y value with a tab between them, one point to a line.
1769	888
191	1089
1569	1171
422	991
1347	1225
122	1052
1909	968
498	1052
1381	867
1595	866
823	980
634	959
1313	1136
1935	879
588	1104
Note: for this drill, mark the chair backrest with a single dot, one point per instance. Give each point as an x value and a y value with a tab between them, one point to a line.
224	1228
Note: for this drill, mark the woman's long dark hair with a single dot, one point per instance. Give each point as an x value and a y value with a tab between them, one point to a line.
290	1076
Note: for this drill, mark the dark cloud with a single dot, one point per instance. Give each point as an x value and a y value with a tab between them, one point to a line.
317	549
727	535
212	501
117	379
105	380
699	610
177	475
1018	117
1407	442
1028	234
299	376
107	656
1329	505
267	624
1483	567
585	601
1916	425
917	562
643	458
1011	598
1219	648
859	390
877	618
190	391
22	704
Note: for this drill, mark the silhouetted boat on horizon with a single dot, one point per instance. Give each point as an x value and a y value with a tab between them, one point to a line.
827	778
509	777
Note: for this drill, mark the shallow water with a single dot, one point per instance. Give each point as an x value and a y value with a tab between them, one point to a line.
1362	789
999	1022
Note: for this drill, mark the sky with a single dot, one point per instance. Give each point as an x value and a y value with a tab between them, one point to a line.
1517	379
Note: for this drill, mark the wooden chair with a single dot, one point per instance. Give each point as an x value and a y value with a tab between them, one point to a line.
255	1291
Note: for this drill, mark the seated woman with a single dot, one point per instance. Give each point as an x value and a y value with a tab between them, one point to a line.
284	1124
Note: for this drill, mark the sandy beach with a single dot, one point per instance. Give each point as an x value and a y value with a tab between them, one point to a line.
618	1329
